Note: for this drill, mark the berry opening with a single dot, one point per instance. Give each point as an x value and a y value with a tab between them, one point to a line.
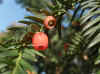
51	23
40	47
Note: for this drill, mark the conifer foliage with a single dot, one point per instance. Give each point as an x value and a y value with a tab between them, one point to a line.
68	50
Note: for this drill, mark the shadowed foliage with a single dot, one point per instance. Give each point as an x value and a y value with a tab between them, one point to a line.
81	56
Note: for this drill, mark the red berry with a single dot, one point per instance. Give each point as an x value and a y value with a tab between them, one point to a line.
40	41
75	23
50	22
85	57
60	54
66	45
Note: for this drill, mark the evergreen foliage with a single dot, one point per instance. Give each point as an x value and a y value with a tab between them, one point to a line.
82	56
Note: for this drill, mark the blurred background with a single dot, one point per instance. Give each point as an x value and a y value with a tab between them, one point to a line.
10	12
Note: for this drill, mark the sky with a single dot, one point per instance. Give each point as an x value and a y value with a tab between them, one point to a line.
10	12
